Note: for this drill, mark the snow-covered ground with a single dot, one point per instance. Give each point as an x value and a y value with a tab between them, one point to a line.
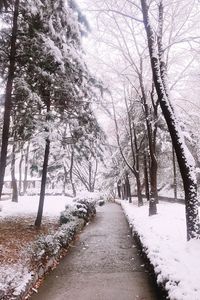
28	205
163	236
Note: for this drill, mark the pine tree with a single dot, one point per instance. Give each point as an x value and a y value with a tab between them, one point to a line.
8	90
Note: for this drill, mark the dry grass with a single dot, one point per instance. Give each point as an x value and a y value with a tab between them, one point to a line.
17	233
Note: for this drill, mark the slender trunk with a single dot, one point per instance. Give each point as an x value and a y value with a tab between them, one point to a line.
26	170
153	160
146	178
153	192
65	180
44	173
95	174
43	184
123	191
175	174
20	172
90	176
185	160
8	96
119	189
128	188
139	191
135	167
153	175
137	176
71	174
14	181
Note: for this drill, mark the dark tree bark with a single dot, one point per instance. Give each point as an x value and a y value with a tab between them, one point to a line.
186	164
119	189
20	172
8	96
123	191
26	170
151	133
175	174
146	177
65	180
44	172
71	174
128	187
13	178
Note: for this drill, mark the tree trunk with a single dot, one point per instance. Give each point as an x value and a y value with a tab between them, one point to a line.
26	170
152	159
139	191
43	184
119	189
8	96
185	159
71	174
128	188
151	133
20	172
153	178
175	174
14	181
44	172
123	191
146	178
65	180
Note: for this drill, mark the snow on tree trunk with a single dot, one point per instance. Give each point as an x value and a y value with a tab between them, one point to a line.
8	95
184	157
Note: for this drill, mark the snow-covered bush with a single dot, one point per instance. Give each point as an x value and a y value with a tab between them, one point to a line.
101	202
13	280
82	209
50	245
46	246
67	215
86	208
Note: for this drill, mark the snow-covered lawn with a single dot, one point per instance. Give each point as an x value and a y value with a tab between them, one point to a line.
163	236
28	205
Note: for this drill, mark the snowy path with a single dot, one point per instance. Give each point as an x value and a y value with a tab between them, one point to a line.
103	265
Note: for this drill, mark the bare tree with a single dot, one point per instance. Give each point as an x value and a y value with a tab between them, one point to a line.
185	160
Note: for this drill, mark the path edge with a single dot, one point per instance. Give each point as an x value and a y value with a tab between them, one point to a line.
42	269
161	290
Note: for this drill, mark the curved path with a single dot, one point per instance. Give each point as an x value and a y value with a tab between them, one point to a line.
103	264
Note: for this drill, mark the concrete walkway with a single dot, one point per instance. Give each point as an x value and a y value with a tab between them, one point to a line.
103	264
